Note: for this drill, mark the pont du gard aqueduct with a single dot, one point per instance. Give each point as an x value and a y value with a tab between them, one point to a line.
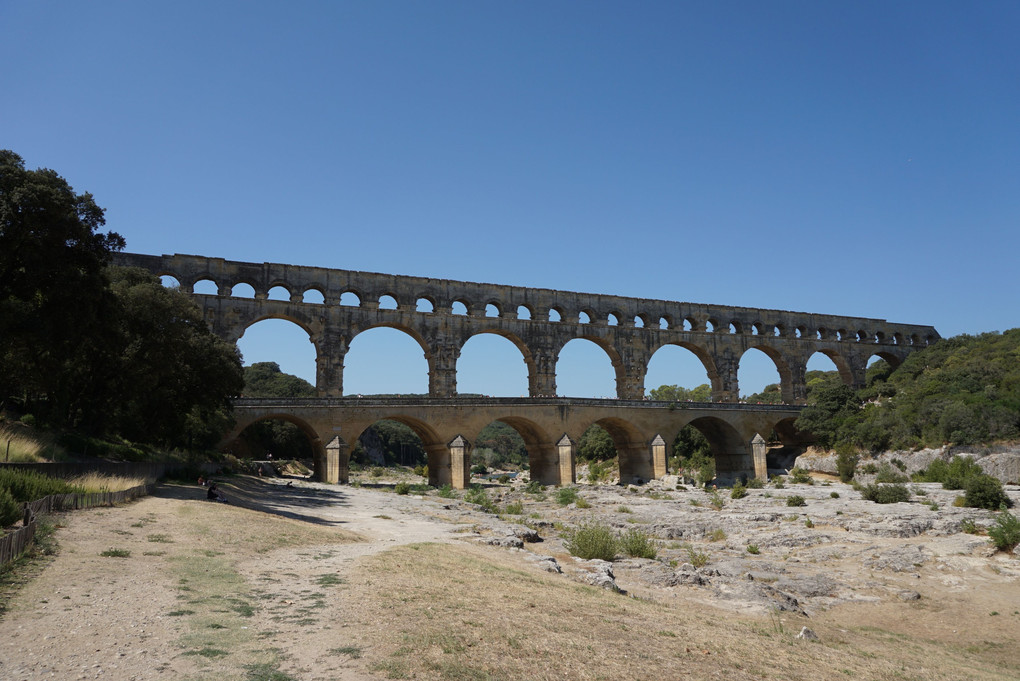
441	315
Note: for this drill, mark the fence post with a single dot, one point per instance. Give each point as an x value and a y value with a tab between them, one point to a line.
28	515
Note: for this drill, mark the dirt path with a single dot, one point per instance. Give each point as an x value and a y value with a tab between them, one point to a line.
299	583
88	616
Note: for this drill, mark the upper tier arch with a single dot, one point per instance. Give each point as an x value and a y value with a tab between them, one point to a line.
850	341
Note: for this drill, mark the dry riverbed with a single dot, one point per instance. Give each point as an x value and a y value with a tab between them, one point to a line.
313	582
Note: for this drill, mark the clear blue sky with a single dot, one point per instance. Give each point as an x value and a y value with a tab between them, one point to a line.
855	158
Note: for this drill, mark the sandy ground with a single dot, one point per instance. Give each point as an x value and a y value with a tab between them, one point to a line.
216	591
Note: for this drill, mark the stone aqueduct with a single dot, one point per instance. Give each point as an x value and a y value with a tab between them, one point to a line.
539	322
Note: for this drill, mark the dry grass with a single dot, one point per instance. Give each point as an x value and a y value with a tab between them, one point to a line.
26	446
97	482
442	612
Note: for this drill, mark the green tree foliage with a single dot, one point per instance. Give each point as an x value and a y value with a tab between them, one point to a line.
499	446
174	378
395	442
676	393
596	444
264	379
281	439
54	296
770	394
961	390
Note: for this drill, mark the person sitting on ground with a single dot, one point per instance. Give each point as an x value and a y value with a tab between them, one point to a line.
212	492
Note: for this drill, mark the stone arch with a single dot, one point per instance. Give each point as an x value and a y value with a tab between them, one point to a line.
731	453
616	361
525	354
233	441
356	294
543	460
279	292
239	289
782	367
631	447
701	353
314	295
353	373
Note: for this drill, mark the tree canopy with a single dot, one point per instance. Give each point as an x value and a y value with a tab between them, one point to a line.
960	390
96	349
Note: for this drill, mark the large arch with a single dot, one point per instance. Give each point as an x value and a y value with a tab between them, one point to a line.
579	360
398	344
265	338
778	364
233	443
729	450
481	366
543	459
676	357
631	447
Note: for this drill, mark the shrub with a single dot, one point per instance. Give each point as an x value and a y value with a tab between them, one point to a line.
599	471
706	473
715	500
753	549
800	476
478	495
755	483
885	494
698	559
29	485
968	526
636	543
479	469
870	468
378	472
10	510
795	500
421	470
590	540
566	496
1005	533
985	491
834	495
846	463
534	487
738	491
446	492
718	534
515	508
582	503
402	488
886	473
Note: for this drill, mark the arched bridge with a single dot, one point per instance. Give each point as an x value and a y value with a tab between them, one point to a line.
642	431
442	315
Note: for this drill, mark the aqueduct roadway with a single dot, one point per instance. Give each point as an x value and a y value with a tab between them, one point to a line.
442	315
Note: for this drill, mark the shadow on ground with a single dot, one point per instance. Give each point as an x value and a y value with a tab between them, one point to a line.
265	495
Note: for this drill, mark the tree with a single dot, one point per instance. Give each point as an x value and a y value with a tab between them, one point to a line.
596	444
264	379
175	377
676	393
54	297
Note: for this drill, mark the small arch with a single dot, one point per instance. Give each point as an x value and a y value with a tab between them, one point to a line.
313	296
169	281
612	319
583	317
820	334
242	290
861	335
757	329
710	325
279	293
350	299
425	305
387	302
879	336
897	338
665	322
639	322
688	324
459	307
206	287
523	312
735	327
778	330
492	310
555	314
800	332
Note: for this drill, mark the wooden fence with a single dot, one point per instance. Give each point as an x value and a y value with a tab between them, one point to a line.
17	542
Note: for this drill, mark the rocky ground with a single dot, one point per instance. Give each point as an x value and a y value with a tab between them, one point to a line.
836	560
